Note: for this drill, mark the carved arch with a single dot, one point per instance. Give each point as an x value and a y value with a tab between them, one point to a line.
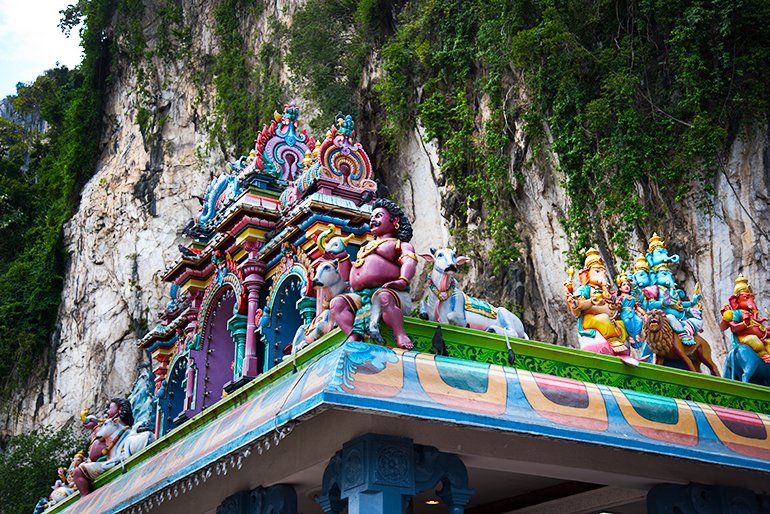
230	278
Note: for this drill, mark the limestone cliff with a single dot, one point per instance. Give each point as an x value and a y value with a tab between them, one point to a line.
158	158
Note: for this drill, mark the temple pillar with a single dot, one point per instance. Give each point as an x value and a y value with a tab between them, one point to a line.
190	330
307	309
254	280
238	327
705	499
379	474
189	391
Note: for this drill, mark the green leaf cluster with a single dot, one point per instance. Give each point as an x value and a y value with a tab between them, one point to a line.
28	464
641	96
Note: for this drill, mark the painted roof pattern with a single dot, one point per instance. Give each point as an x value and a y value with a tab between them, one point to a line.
455	391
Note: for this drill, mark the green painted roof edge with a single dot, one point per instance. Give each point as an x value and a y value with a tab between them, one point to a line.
590	367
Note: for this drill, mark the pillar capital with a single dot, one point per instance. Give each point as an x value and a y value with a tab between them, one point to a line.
262	500
378	474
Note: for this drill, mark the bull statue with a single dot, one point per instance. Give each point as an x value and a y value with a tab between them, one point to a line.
445	302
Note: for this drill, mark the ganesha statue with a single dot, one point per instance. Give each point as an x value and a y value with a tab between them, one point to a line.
741	317
597	309
749	359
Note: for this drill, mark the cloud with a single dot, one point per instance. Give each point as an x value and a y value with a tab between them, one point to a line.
31	42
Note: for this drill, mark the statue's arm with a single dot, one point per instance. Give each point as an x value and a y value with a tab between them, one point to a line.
577	303
408	265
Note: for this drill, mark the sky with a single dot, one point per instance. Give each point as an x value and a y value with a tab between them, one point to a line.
31	42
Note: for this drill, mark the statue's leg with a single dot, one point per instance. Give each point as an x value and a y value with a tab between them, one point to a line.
749	368
424	309
753	342
375	314
81	481
703	352
342	309
677	327
394	318
679	352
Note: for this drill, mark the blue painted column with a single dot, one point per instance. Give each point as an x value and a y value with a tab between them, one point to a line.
705	499
379	474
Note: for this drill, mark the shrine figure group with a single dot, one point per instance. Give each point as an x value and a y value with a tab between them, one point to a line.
648	311
357	296
114	438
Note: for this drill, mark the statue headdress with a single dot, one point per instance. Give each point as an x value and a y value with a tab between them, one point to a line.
622	277
641	263
593	259
655	242
742	284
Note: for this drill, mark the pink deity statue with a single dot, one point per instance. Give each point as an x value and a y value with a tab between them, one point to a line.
106	435
742	318
379	279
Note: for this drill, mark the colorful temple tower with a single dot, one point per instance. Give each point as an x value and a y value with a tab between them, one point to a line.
243	287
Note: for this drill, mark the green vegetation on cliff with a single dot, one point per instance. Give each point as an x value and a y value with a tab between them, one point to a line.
248	90
39	199
638	95
638	99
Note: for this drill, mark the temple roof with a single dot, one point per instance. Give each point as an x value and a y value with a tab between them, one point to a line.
616	411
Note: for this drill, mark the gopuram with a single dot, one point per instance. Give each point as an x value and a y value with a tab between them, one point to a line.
290	372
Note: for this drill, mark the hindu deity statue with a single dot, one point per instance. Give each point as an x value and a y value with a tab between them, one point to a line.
684	316
641	280
113	439
379	279
657	253
63	487
596	308
741	316
631	312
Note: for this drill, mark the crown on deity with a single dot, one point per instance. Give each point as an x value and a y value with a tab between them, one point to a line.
662	265
622	277
742	284
641	263
655	242
593	259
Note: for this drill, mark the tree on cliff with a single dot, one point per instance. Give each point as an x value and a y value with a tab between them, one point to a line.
28	466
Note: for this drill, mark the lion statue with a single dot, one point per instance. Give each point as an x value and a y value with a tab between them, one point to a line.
666	344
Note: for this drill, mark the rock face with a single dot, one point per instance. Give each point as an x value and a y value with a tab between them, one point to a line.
147	185
31	121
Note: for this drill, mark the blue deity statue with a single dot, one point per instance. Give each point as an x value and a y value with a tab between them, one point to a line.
631	312
657	254
684	316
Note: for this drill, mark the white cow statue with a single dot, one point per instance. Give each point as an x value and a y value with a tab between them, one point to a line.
446	303
328	278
